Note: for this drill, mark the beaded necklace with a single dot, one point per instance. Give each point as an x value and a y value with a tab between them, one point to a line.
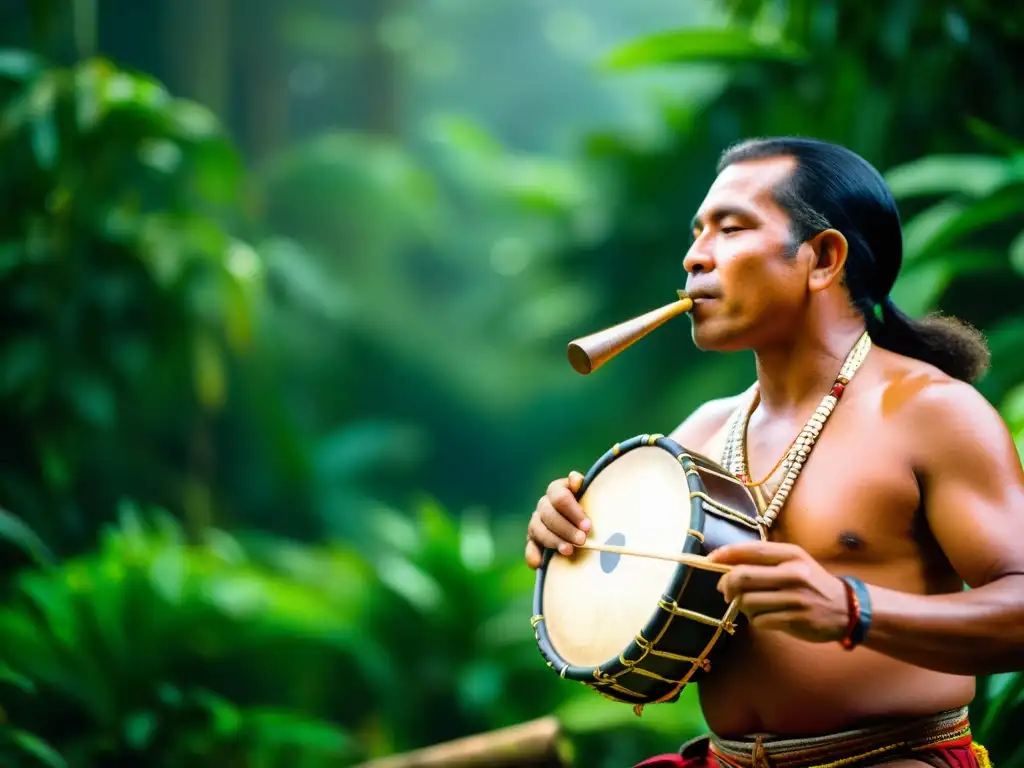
734	457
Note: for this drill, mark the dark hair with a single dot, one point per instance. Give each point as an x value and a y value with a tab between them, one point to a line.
834	188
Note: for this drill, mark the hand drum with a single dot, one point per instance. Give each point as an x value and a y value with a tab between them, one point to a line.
629	622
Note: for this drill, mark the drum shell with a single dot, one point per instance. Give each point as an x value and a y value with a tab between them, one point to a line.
689	628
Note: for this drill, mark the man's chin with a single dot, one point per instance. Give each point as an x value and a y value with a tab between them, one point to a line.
708	339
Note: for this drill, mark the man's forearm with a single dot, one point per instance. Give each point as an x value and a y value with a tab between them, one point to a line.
976	632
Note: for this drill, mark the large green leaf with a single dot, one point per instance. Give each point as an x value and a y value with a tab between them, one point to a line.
945	222
732	46
922	284
1012	410
1017	253
994	138
9	676
1003	697
15	532
42	753
974	175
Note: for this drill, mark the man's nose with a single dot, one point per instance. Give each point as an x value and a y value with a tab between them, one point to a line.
698	258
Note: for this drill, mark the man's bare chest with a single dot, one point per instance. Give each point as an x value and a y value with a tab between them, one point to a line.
856	498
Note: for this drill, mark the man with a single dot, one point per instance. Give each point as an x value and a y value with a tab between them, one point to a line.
912	488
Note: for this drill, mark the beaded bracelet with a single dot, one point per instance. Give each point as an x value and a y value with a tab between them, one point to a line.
859	603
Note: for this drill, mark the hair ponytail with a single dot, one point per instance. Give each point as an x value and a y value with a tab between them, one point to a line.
949	344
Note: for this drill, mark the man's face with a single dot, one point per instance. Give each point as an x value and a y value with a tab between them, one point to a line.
748	285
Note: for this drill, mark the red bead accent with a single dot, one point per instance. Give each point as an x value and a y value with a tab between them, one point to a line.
837	390
853	606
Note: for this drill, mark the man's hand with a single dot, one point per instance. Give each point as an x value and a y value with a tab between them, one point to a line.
781	587
558	521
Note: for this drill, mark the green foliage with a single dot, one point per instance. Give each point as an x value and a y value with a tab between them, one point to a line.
996	715
469	237
155	652
254	651
117	276
403	327
390	270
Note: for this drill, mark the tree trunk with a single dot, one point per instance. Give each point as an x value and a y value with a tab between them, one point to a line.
265	102
536	744
381	75
198	42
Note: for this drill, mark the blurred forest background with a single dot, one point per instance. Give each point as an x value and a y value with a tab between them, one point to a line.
286	289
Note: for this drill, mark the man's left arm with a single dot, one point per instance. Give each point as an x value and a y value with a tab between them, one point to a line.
972	488
973	496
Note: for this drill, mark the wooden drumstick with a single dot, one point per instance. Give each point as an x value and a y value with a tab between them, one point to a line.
697	561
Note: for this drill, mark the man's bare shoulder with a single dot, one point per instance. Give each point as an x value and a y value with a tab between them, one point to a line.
707	420
944	417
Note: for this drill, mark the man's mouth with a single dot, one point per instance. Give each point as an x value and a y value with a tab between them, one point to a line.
702	297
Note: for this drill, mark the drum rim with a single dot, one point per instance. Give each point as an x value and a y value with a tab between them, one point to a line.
658	617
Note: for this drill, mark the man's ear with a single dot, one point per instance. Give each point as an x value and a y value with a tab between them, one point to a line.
829	259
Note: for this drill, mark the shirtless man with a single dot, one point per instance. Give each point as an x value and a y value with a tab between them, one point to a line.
914	485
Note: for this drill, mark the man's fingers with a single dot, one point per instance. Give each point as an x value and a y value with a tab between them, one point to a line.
759	603
758	578
564	502
544	537
575	481
777	621
756	553
558	523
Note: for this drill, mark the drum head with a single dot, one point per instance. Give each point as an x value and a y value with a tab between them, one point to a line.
595	603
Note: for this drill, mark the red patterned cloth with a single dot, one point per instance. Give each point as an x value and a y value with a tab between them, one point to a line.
943	741
954	757
674	760
693	754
